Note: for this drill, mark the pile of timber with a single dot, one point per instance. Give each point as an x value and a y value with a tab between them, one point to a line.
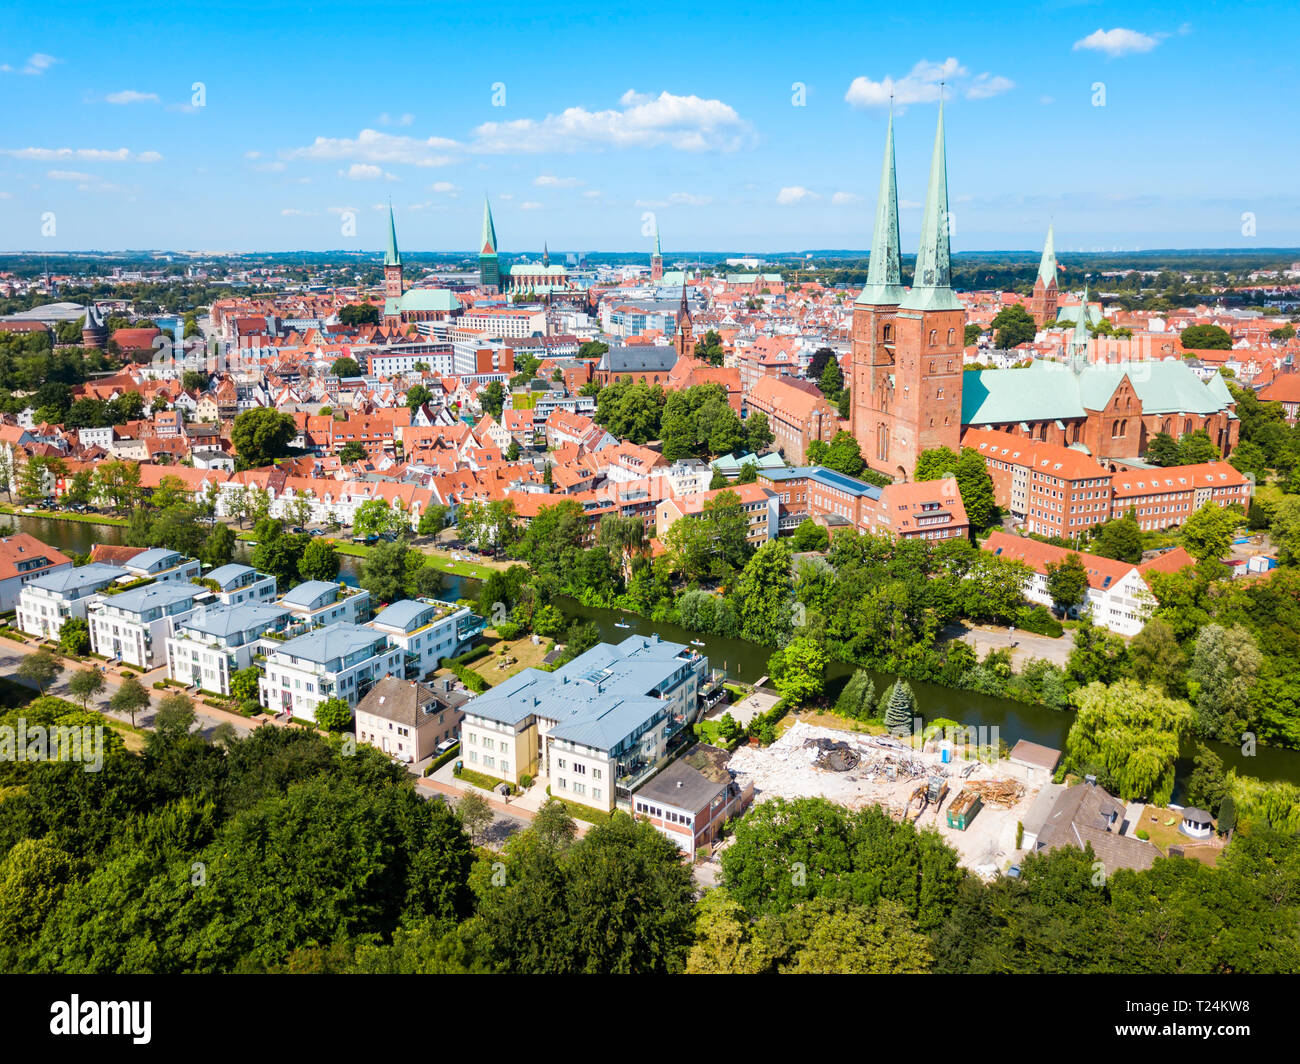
996	792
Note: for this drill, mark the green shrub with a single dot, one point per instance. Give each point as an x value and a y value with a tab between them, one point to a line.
1143	834
525	781
443	758
508	630
1040	621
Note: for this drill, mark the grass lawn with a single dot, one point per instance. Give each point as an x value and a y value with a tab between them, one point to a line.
583	812
1165	835
60	515
487	783
830	720
527	656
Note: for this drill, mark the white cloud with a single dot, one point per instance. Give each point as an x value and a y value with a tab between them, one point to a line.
383	149
1117	42
592	193
530	205
987	85
365	172
386	119
92	155
686	123
343	210
252	155
68	175
294	212
677	199
795	194
270	168
910	205
1046	100
444	186
131	96
39	63
841	198
551	181
923	84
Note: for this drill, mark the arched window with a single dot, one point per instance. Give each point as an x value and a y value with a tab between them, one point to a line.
951	334
934	337
889	333
932	365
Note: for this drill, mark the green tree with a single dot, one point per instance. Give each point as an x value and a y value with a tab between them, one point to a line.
346	367
357	314
810	536
219	546
74	636
1196	448
1208	531
1131	734
1121	539
334	714
1206	338
974	483
130	698
320	561
244	683
901	708
261	436
40	667
799	670
492	399
1225	664
855	940
1013	326
764	595
972	334
373	518
352	451
475	814
858	699
1162	450
1067	581
758	432
433	520
383	573
85	684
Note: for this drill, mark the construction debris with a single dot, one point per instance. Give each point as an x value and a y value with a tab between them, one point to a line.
1005	793
835	756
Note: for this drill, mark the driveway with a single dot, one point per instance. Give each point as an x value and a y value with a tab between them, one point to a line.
1023	645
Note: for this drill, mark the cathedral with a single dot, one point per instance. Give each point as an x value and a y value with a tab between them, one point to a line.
908	345
909	392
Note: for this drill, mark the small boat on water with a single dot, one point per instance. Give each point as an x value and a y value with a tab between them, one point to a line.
697	642
621	624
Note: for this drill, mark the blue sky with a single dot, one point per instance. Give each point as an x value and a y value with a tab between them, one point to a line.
686	111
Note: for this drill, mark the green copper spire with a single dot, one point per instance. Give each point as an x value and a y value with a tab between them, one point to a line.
931	288
658	253
884	285
489	242
391	256
1047	267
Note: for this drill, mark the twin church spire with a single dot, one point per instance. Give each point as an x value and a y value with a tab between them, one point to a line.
931	284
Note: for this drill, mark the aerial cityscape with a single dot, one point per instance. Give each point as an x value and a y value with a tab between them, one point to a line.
839	515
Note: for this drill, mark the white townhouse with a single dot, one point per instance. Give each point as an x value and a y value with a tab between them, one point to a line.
215	642
315	603
49	601
341	660
242	583
596	728
134	625
1117	596
163	566
427	631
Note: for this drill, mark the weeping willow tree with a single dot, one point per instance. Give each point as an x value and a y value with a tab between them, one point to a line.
1277	804
1132	733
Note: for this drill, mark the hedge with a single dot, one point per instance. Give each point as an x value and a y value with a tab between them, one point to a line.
470	679
442	759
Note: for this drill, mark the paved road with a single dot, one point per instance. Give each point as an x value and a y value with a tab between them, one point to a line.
12	653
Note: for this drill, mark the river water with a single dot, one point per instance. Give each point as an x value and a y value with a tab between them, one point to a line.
745	661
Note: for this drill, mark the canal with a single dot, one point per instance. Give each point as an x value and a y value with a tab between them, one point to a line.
746	661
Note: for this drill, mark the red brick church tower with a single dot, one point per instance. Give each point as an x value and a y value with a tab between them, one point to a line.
907	354
392	262
1043	303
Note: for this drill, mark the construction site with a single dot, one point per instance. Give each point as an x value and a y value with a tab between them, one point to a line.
975	805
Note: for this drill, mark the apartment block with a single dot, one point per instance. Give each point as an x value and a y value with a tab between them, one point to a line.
341	660
45	604
215	642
